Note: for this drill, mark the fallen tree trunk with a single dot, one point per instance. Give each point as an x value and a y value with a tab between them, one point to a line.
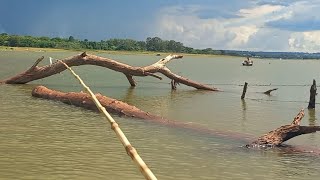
284	133
35	72
82	99
120	108
273	138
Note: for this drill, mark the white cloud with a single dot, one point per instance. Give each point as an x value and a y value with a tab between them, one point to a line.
218	33
259	11
254	27
305	41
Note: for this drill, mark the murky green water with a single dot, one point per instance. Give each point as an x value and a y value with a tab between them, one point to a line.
42	139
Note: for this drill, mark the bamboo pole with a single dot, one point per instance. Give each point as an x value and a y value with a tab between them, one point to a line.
131	151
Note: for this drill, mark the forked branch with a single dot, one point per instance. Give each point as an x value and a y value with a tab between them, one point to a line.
36	72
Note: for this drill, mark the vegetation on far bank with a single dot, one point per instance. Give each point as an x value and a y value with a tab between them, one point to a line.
150	45
154	44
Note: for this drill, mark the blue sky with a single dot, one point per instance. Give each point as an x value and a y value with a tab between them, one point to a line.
259	25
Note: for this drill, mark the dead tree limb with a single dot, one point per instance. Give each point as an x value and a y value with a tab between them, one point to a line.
284	133
114	106
313	93
120	108
82	99
36	72
269	91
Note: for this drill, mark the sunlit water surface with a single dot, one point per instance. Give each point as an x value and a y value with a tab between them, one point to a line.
42	139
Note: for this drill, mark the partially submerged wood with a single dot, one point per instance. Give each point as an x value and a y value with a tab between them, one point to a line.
119	108
174	84
35	72
313	93
284	133
82	99
269	91
244	90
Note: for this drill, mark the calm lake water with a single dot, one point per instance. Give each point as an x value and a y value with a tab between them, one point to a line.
42	139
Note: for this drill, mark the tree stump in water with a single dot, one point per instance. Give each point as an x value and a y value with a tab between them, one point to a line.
313	93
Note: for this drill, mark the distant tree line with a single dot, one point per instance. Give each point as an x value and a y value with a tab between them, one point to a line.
154	44
151	44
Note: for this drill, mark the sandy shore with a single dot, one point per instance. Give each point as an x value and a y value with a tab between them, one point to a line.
32	49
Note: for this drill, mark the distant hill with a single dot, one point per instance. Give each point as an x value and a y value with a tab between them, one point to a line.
276	55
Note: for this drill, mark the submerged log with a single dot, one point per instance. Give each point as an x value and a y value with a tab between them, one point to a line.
120	108
114	106
82	99
35	72
284	133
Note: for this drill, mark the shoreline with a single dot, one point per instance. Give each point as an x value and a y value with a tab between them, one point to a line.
34	49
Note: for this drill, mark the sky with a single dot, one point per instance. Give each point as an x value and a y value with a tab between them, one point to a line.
255	25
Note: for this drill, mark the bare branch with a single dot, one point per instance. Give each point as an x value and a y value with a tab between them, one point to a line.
36	63
88	59
131	80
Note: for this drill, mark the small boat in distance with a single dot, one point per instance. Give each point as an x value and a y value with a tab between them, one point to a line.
247	62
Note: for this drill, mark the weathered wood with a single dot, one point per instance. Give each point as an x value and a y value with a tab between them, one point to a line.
82	99
114	106
36	72
284	133
174	84
120	108
313	93
269	91
244	90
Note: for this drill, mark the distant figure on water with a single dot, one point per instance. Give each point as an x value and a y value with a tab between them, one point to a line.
247	62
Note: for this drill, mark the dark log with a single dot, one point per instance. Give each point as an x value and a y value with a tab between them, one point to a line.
269	91
313	93
36	72
244	90
174	84
284	133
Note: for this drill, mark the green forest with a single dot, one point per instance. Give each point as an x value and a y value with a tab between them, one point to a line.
154	44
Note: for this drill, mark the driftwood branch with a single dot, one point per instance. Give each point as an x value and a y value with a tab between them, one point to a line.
36	63
284	133
36	72
120	108
269	91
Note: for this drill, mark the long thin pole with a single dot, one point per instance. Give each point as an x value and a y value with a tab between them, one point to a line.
131	151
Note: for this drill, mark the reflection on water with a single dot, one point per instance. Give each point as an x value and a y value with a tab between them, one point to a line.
42	139
312	117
